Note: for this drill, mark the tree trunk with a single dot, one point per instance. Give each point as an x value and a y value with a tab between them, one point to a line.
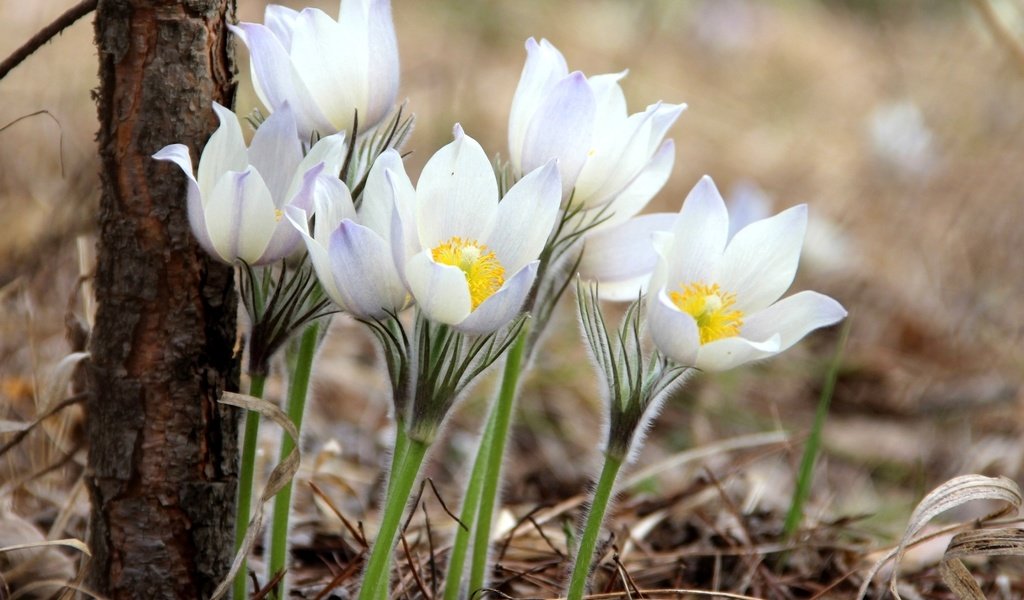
162	453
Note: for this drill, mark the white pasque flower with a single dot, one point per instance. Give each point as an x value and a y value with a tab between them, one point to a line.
351	250
237	198
474	259
603	153
326	69
714	302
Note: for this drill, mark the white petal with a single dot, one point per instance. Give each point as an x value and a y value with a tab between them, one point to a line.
280	20
611	102
378	201
330	58
624	253
333	203
317	254
761	260
792	318
673	331
329	150
405	242
224	151
545	66
441	291
726	353
179	155
561	128
276	152
645	186
662	242
457	194
364	272
700	235
525	218
383	68
240	216
502	306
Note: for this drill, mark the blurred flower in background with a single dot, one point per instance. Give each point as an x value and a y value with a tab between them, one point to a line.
901	139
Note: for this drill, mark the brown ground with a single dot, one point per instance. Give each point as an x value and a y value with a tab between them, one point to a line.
923	247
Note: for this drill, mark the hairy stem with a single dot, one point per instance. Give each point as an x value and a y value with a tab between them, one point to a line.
252	428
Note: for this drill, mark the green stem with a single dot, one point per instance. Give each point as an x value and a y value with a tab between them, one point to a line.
493	457
592	529
245	476
297	392
378	569
470	504
401	444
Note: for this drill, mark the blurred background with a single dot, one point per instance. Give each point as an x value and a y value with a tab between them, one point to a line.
901	124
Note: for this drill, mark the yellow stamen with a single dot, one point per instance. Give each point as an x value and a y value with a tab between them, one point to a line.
484	273
709	306
278	215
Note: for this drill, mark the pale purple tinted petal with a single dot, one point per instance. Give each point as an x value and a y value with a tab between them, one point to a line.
286	237
276	152
673	331
624	253
700	235
525	218
457	194
317	253
727	353
364	272
441	291
792	318
561	129
760	262
545	66
502	306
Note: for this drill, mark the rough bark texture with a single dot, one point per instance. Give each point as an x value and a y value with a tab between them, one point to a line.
162	452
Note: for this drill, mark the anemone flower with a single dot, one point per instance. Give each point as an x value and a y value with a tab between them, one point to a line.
474	259
583	122
236	201
714	301
326	69
351	249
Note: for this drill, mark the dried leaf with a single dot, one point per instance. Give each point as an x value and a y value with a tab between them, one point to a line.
955	492
69	542
982	542
279	477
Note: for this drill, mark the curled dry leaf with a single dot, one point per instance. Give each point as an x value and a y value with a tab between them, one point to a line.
279	477
955	492
983	542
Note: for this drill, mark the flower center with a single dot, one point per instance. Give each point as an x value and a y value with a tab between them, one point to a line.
484	273
709	306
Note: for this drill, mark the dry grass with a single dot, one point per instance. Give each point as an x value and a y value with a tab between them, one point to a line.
927	259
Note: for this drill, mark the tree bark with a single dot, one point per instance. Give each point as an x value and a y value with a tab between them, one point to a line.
162	453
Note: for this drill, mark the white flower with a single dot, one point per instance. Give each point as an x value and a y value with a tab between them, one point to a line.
326	69
714	302
474	259
236	200
603	152
351	250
